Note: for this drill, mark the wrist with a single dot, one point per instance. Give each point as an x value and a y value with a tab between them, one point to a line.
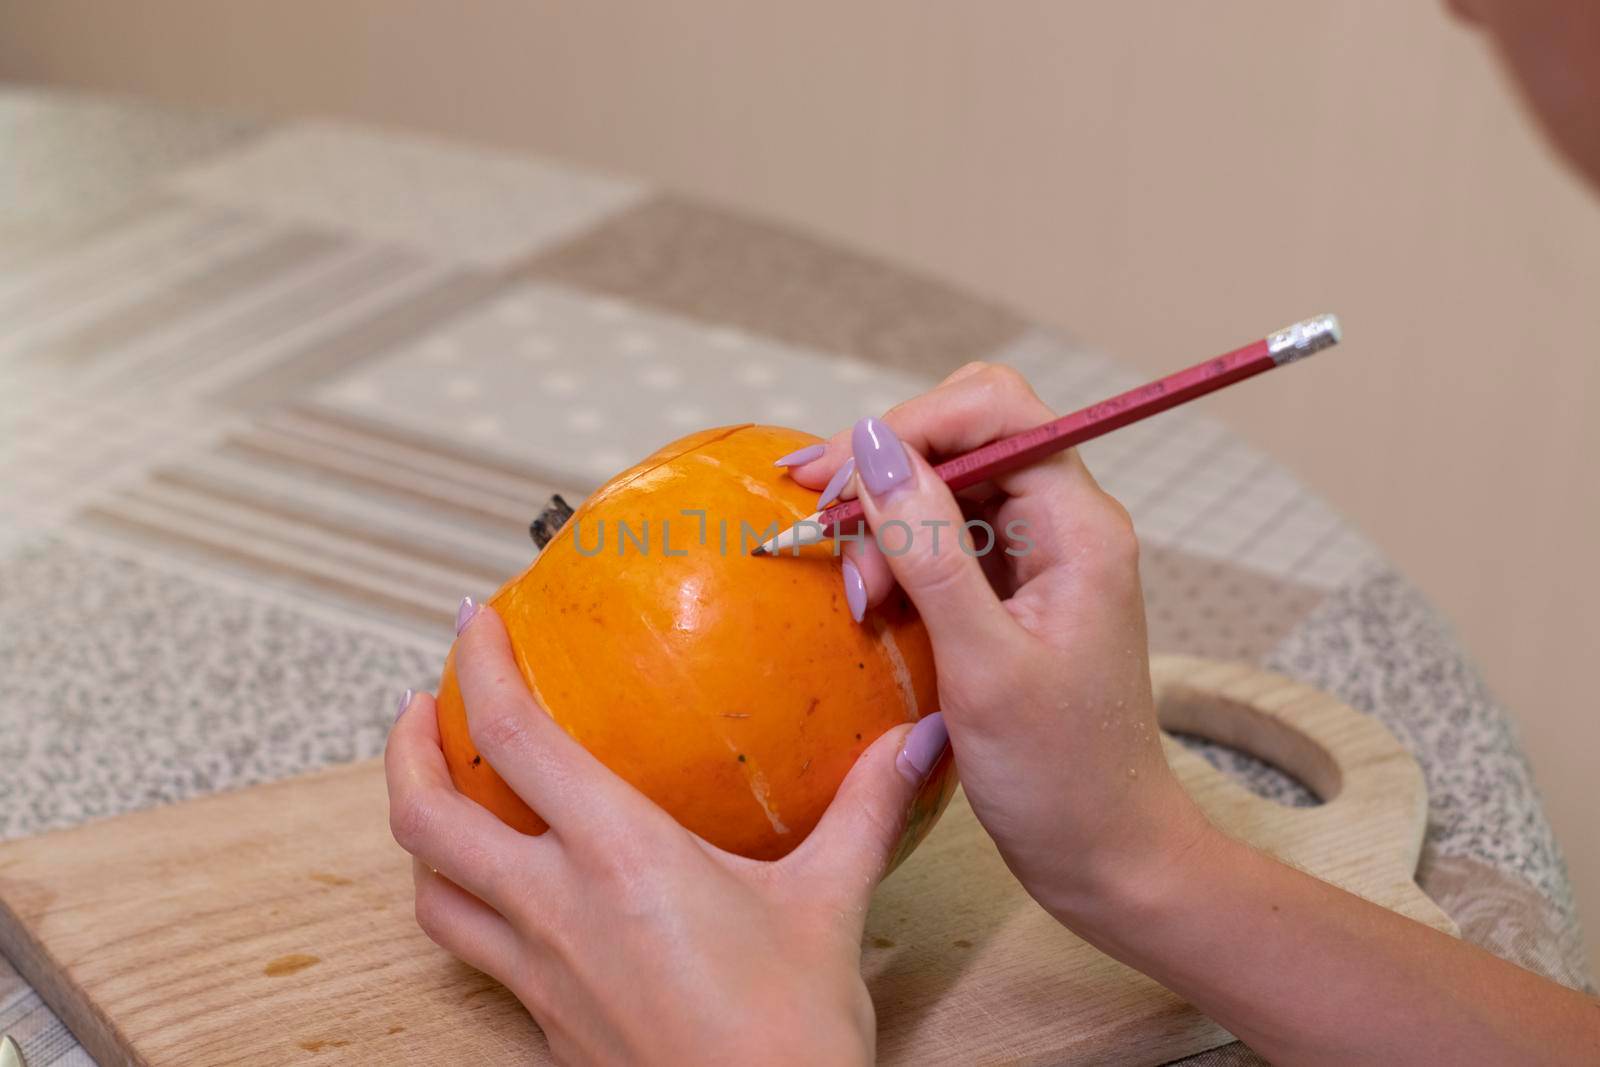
831	1023
1138	869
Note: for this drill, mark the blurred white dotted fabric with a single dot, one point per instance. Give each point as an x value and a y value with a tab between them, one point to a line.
476	206
581	386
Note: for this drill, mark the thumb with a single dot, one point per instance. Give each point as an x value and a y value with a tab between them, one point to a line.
864	827
918	526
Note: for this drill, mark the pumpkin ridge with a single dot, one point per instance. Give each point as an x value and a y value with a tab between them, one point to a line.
722	434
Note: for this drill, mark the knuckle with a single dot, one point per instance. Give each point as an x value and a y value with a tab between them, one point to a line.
941	572
966	370
525	900
410	821
623	860
1007	382
431	913
1111	528
492	873
498	731
629	884
1121	537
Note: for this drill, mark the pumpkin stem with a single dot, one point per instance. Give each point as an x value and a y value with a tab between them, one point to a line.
549	522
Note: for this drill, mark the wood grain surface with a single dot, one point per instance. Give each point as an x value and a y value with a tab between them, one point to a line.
273	925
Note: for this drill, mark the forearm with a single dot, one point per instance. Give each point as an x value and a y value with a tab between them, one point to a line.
1306	973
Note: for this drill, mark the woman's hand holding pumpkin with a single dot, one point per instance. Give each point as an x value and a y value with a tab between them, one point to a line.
1040	644
628	938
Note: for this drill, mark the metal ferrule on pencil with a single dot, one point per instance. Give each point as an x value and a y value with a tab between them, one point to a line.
1304	338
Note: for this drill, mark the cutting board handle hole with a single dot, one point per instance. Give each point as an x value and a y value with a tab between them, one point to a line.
1258	749
1264	779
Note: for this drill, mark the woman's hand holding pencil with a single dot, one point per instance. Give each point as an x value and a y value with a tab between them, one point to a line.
1042	655
1045	693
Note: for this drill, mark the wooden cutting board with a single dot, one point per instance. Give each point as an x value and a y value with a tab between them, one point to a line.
273	925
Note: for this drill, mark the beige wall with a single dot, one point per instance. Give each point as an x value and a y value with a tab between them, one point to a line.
1164	179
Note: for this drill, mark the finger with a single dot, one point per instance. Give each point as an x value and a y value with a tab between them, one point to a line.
874	568
966	370
977	404
876	580
819	472
463	925
850	848
552	773
439	826
989	402
1056	501
974	406
905	505
908	418
1070	527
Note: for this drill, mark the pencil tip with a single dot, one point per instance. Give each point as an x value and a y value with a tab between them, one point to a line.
759	550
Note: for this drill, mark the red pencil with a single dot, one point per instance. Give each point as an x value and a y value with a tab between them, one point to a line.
1007	454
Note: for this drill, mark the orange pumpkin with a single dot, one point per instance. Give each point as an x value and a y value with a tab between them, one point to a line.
734	691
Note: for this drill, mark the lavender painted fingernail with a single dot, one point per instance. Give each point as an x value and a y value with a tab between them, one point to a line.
880	457
802	456
836	483
405	702
924	745
855	591
465	613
